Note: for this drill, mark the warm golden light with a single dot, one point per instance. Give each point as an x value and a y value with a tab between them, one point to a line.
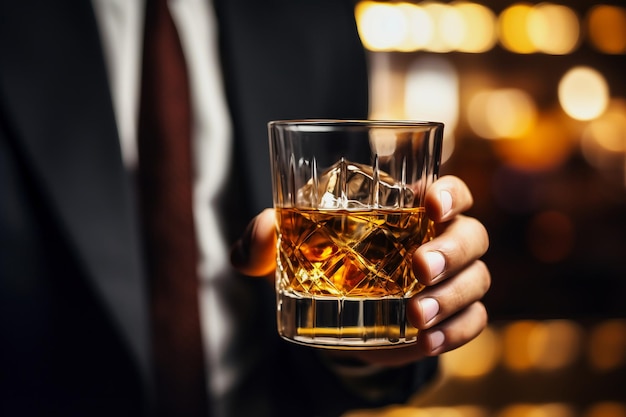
448	26
479	27
432	93
471	27
504	113
454	28
518	410
607	345
409	411
515	354
553	29
546	146
603	141
420	27
583	93
606	409
609	131
537	410
513	28
386	88
606	26
555	410
475	359
381	26
545	346
553	345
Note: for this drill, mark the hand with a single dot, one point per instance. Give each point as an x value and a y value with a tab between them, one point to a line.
448	311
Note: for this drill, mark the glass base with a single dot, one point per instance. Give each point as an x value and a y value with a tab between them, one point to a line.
344	323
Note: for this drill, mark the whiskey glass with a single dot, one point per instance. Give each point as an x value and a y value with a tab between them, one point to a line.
349	203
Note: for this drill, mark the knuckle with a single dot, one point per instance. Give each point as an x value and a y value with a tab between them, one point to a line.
477	320
479	232
483	272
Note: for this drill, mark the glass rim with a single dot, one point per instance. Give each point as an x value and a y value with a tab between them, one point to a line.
354	123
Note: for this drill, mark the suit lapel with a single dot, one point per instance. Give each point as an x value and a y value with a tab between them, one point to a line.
54	75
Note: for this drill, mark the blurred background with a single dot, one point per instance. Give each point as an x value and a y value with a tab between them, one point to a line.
533	95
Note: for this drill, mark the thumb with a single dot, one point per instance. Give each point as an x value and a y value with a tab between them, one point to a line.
254	253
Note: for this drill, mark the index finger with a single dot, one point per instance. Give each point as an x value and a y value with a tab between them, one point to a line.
447	197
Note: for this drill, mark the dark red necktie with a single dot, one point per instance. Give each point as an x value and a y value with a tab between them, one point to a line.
165	185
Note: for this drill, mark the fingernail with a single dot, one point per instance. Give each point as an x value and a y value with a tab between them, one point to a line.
436	340
446	202
436	263
430	308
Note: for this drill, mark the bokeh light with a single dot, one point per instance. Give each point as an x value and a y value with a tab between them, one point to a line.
432	93
603	141
553	29
517	410
448	24
606	26
503	113
537	410
472	27
607	345
513	28
545	346
475	359
421	27
408	411
431	25
583	93
515	353
386	88
609	130
479	27
606	409
554	344
545	147
381	26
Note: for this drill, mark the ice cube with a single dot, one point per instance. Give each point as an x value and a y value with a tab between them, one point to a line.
349	185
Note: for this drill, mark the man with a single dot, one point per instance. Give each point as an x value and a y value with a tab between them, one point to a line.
74	317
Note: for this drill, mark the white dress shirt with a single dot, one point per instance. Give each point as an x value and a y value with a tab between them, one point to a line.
121	28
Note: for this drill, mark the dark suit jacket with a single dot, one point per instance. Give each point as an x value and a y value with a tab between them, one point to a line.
73	321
